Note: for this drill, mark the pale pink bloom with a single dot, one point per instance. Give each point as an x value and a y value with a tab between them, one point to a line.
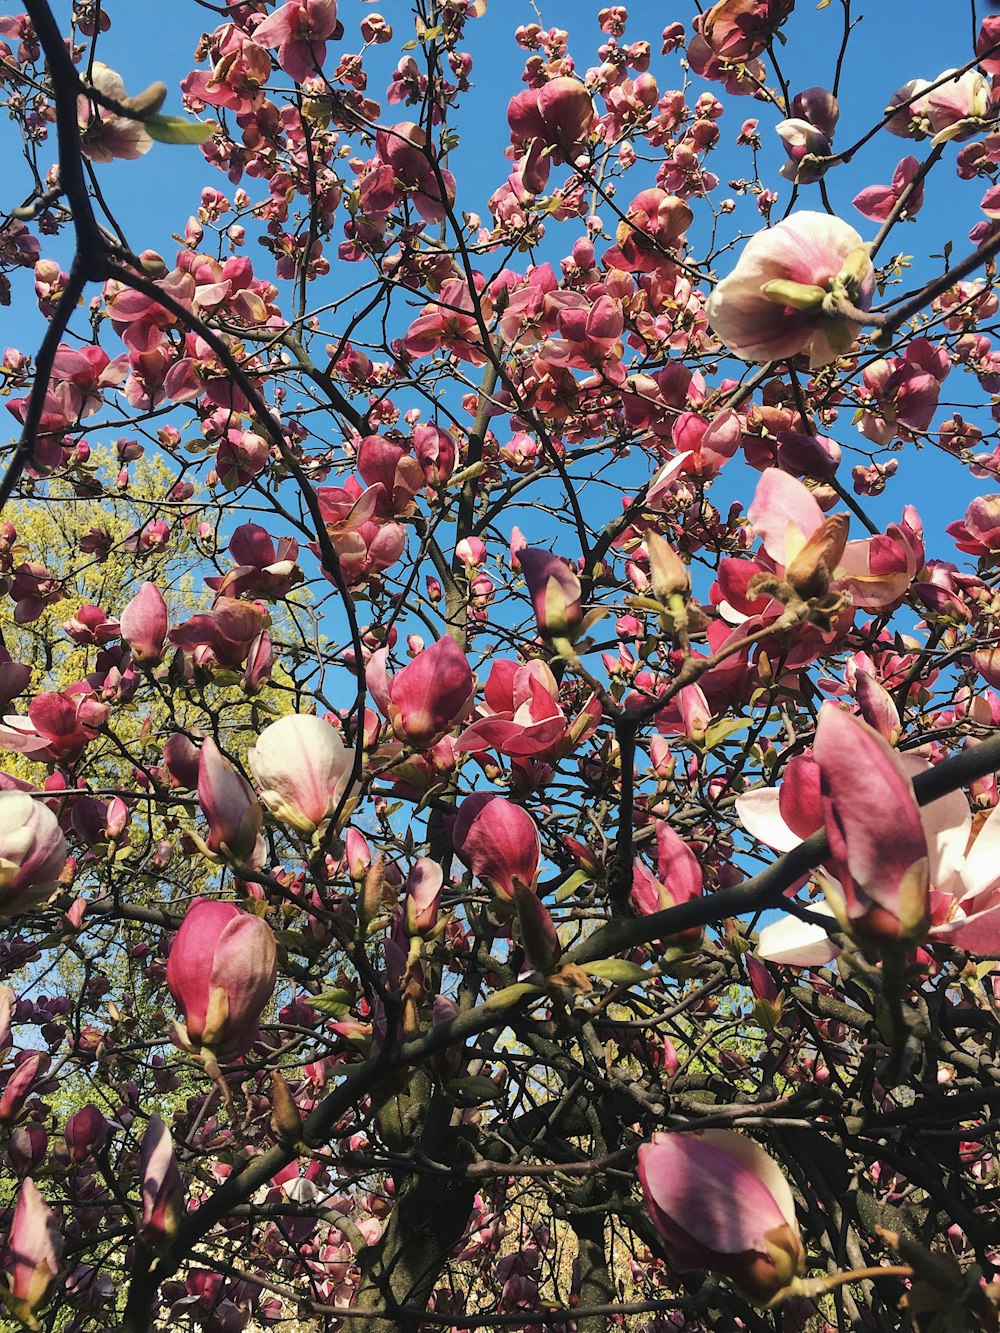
299	29
35	1247
555	592
781	299
429	697
303	769
221	971
32	853
955	109
160	1184
721	1204
103	134
144	624
423	896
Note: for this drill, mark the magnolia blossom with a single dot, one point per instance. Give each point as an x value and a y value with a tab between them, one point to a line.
303	769
961	901
144	624
498	841
720	1203
299	29
221	971
32	853
782	297
35	1250
104	135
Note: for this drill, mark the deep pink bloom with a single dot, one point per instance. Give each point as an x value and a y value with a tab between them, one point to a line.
520	714
31	1067
32	853
554	122
678	875
877	201
160	1184
721	1204
979	532
429	697
780	299
299	29
498	841
144	625
86	1132
221	971
231	808
35	1247
302	768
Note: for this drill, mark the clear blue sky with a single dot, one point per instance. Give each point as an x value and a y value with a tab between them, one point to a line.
896	40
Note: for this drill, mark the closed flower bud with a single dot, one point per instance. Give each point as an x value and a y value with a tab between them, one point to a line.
221	972
302	768
32	853
721	1204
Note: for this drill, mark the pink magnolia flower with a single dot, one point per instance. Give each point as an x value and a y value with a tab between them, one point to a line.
86	1131
808	134
299	29
32	853
878	848
423	896
877	201
35	1247
653	225
231	808
160	1184
555	593
520	714
262	569
303	770
221	637
499	843
979	532
429	697
144	625
781	299
20	1084
955	109
721	1204
104	135
221	972
404	150
555	122
678	876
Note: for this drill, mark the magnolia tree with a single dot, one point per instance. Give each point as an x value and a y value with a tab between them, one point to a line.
524	850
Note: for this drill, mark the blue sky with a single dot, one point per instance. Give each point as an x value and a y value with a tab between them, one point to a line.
894	41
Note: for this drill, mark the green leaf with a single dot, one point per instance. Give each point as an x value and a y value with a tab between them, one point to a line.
178	129
617	970
503	999
474	1089
335	1003
720	731
567	889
